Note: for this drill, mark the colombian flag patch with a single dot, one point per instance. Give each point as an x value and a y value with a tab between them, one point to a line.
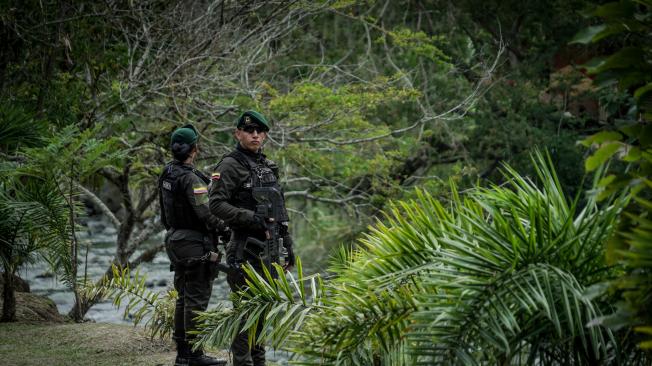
215	176
200	190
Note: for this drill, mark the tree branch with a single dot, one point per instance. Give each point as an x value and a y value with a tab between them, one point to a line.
100	205
147	256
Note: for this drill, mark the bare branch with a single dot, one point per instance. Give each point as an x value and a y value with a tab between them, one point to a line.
100	205
147	255
147	232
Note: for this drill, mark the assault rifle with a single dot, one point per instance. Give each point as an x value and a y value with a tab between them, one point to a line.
269	206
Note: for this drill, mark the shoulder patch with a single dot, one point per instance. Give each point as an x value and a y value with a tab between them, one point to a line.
216	176
200	190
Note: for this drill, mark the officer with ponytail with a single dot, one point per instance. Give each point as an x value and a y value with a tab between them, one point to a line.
183	195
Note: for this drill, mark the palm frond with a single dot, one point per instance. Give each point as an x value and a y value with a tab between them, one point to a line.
280	304
19	128
497	275
156	309
485	323
39	216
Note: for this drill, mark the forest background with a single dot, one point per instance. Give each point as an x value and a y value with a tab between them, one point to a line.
368	100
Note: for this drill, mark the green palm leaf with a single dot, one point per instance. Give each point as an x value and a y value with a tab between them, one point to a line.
495	276
281	304
40	219
156	310
18	128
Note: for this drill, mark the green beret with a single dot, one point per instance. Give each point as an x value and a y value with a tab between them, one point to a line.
186	135
250	117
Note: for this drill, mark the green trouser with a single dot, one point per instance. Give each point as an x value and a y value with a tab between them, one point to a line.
193	284
242	354
194	287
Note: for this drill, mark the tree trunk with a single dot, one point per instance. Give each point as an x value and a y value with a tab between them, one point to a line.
82	306
79	309
76	314
9	298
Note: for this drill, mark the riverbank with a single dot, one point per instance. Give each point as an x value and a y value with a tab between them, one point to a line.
54	344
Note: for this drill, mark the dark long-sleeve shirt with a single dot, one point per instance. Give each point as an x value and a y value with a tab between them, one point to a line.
229	175
195	192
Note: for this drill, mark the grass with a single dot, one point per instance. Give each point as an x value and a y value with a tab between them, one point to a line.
52	344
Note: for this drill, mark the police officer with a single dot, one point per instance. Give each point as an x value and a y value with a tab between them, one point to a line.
231	199
183	197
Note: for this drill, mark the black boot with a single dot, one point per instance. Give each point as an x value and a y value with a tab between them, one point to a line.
183	353
198	358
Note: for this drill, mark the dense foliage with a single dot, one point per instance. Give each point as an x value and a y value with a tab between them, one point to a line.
627	68
368	99
496	275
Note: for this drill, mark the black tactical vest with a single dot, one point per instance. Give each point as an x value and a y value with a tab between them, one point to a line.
177	210
262	173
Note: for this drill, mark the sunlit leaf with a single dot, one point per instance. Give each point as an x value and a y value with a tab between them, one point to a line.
588	34
604	153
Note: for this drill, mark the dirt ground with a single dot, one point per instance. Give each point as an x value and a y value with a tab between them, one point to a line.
41	344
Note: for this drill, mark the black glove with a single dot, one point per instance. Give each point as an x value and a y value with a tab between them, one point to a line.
222	227
222	235
283	229
289	258
259	222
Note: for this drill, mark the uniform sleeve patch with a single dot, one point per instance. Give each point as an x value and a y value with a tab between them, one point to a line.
215	176
200	190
